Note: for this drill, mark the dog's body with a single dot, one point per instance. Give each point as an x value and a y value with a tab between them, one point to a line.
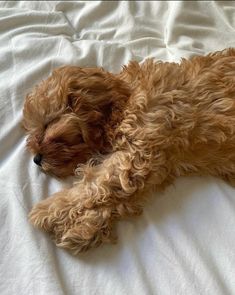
134	131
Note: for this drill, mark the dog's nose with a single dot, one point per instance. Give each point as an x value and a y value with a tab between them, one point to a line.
38	159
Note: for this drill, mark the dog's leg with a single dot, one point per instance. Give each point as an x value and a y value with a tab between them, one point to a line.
82	217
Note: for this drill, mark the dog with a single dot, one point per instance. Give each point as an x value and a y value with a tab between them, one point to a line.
124	135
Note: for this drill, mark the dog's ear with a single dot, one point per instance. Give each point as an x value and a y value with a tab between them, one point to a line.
92	124
94	96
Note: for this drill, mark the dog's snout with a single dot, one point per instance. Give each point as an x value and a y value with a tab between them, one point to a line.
38	159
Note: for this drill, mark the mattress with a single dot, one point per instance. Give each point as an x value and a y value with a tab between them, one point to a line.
184	241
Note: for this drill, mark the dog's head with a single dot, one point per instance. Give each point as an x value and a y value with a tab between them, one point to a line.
66	117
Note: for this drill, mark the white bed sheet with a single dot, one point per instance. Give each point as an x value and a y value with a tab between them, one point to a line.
184	241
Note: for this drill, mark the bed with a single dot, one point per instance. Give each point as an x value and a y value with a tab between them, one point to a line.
184	241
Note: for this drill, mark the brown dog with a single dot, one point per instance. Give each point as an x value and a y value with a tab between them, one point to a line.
124	134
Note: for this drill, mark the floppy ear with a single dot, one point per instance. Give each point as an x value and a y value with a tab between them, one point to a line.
92	125
95	96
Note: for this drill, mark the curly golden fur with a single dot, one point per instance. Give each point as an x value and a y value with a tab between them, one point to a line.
125	134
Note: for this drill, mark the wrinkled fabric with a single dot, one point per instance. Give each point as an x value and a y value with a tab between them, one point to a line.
184	241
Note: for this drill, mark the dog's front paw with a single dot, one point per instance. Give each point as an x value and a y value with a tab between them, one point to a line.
71	224
54	214
91	228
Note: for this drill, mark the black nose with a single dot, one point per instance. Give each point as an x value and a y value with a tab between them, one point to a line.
38	159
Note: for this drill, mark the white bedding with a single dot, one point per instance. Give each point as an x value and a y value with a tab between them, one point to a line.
184	241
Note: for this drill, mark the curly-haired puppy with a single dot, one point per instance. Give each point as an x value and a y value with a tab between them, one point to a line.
124	134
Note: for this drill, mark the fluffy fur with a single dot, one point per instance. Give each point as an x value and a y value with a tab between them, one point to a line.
124	134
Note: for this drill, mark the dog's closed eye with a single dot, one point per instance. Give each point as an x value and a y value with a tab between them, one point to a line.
75	139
